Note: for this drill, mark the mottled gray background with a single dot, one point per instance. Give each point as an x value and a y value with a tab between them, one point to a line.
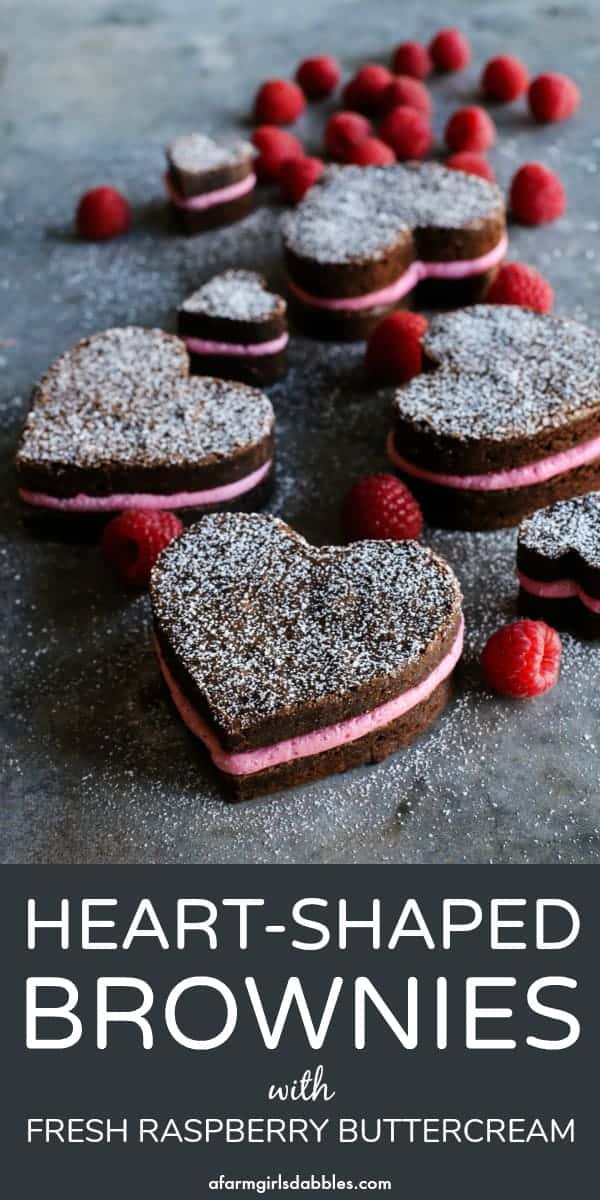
97	769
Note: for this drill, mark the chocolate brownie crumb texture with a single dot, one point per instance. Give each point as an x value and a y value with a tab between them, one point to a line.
558	562
236	328
235	296
570	527
210	180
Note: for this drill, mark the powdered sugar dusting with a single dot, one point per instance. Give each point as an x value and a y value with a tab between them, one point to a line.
263	620
199	152
236	295
358	211
501	372
568	525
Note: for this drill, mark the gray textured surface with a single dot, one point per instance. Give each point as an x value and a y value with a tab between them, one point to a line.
97	768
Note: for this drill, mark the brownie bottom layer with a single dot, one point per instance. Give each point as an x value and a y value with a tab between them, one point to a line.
569	614
191	221
259	371
454	508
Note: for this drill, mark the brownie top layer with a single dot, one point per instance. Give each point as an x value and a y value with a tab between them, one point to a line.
500	373
564	527
197	152
265	623
124	396
237	296
360	212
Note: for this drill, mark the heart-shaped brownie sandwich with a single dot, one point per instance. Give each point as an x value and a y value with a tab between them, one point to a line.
234	327
364	237
291	662
505	420
558	564
210	181
117	423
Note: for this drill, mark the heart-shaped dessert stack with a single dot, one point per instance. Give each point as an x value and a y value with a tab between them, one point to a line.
558	564
290	661
118	423
234	327
364	237
505	418
210	181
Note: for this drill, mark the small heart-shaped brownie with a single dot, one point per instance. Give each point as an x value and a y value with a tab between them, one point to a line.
234	327
290	661
558	564
505	418
364	237
118	423
210	181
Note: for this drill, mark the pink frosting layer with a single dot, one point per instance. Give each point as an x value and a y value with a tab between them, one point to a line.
559	589
249	761
207	199
496	481
121	500
458	269
204	346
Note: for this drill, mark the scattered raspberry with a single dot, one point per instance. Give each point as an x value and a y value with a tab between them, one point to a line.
132	542
553	97
412	58
278	102
522	659
472	164
450	50
516	283
364	92
297	175
470	129
404	90
504	78
372	152
394	351
318	76
536	195
344	131
275	146
381	506
407	131
102	213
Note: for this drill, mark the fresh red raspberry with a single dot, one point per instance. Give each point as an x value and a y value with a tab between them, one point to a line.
472	164
404	90
407	131
344	131
412	58
102	213
381	506
132	542
364	92
516	283
371	153
318	76
522	659
470	129
537	195
278	102
450	50
553	97
297	175
504	78
394	351
275	146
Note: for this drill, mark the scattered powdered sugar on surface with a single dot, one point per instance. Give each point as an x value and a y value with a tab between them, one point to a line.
237	295
358	211
124	396
199	152
503	372
262	620
565	526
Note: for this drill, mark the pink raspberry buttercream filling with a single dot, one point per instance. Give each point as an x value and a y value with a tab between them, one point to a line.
247	762
457	269
208	199
256	350
495	481
149	500
558	589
